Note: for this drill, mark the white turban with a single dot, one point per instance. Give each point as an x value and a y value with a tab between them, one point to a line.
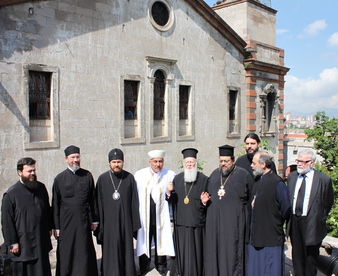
156	154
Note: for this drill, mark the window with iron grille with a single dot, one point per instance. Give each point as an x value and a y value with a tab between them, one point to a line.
232	104
159	92
130	99
184	101
39	95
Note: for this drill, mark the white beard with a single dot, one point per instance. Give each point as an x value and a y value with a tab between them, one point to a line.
301	170
190	176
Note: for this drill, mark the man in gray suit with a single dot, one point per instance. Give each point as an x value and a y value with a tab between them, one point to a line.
311	195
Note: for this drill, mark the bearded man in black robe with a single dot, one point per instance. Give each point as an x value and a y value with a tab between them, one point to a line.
27	223
252	143
74	217
118	206
227	217
189	208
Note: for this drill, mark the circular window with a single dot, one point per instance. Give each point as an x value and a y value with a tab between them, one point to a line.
161	15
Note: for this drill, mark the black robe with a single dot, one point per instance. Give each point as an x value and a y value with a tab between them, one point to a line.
189	220
74	211
227	224
27	220
119	219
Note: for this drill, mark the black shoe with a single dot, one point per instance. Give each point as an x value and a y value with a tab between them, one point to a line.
163	272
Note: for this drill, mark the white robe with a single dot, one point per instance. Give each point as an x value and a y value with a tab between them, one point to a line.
154	184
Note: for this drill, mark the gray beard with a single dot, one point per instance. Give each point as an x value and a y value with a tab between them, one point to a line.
226	172
258	172
190	176
302	170
74	169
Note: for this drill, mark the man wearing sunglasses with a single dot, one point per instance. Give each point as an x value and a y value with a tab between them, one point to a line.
311	195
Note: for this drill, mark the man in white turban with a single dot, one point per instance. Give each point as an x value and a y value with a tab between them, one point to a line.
154	185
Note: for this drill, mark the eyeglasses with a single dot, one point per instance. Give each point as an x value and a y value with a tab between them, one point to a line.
302	161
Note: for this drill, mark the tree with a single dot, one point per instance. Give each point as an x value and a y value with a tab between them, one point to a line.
325	137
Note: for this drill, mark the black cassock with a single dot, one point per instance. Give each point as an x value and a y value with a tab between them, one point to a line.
119	219
227	223
26	219
74	210
189	221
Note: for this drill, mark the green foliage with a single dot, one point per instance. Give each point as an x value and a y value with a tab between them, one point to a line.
200	164
332	220
265	145
325	137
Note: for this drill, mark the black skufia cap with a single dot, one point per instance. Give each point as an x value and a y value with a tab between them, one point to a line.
71	149
115	154
226	150
189	152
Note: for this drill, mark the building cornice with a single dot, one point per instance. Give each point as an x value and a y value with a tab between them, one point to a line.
4	3
236	2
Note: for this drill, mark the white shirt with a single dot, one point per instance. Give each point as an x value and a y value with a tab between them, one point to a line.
308	181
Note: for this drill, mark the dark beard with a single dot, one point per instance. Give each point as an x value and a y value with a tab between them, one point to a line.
30	184
225	173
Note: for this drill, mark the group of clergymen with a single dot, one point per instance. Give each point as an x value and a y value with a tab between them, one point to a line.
228	224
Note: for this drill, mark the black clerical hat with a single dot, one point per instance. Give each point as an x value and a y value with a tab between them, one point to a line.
189	152
115	154
71	149
226	150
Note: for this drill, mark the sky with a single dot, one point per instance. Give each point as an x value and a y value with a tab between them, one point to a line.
308	32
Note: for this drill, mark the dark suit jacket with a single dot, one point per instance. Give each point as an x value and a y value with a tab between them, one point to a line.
320	203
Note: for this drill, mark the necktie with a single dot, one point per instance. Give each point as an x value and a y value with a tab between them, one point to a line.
300	198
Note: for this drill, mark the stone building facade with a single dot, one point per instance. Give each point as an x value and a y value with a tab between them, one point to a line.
136	75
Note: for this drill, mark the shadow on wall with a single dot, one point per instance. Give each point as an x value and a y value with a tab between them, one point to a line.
8	101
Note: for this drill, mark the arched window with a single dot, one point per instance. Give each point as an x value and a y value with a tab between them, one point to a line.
159	92
268	100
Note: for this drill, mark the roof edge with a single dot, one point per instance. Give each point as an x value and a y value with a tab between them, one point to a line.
218	23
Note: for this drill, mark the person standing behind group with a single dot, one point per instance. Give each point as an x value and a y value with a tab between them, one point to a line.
26	220
270	208
226	219
189	216
74	218
154	185
118	204
252	143
311	195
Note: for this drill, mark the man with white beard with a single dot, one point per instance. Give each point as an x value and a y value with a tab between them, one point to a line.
189	207
311	195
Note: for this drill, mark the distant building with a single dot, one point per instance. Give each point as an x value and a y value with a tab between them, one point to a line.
293	143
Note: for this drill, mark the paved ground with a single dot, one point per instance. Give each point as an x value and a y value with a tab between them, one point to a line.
153	272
